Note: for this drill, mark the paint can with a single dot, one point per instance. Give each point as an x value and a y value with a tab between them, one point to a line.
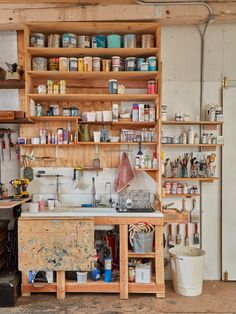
114	41
39	64
80	64
115	60
69	40
129	41
37	40
130	64
96	64
53	64
73	64
54	40
147	41
106	65
139	62
62	86
63	64
144	66
116	68
83	41
99	41
152	63
151	88
88	64
112	86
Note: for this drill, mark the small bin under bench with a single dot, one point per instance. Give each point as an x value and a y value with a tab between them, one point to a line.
38	238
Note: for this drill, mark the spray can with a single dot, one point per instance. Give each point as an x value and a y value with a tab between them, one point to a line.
108	269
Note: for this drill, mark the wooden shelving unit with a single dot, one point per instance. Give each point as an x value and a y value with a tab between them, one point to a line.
191	179
192	145
94	96
180	195
192	122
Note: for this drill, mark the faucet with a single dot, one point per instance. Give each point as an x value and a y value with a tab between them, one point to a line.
110	198
93	191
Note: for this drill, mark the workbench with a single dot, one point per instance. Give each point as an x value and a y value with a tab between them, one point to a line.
39	221
13	203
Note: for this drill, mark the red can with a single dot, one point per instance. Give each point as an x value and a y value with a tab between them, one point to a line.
151	87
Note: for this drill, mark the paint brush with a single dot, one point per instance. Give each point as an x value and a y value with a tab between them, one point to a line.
196	237
178	235
186	235
170	237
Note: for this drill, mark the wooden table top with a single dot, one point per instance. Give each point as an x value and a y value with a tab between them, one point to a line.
12	203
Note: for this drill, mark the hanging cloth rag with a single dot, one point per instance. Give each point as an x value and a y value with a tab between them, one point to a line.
124	175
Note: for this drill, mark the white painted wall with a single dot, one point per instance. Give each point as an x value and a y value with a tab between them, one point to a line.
181	72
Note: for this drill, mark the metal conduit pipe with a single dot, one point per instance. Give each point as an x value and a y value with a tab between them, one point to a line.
202	58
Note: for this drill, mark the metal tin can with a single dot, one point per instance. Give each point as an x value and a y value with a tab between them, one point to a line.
114	41
99	41
81	64
60	136
53	64
96	64
151	87
56	89
54	40
55	110
113	86
147	41
139	62
106	65
129	41
144	66
115	60
66	112
43	136
73	64
84	41
131	272
62	86
130	64
69	40
74	111
63	64
39	64
152	63
88	64
37	40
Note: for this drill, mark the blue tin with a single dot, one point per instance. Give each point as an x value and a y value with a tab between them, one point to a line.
139	62
99	41
108	269
112	86
114	41
152	63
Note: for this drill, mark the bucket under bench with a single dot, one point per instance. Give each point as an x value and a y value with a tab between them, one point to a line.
74	231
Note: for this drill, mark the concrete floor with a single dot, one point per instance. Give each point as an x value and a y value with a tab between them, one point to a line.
218	297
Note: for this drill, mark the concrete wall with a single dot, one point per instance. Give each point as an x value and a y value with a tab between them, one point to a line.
181	72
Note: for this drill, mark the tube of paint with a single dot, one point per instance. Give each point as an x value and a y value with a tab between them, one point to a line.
108	270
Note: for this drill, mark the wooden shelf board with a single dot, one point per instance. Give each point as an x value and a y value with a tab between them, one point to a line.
193	122
53	118
92	286
12	84
192	145
190	179
180	195
75	75
18	121
141	255
27	288
96	52
146	169
94	97
152	287
87	143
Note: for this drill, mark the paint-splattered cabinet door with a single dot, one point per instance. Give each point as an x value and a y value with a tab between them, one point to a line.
55	244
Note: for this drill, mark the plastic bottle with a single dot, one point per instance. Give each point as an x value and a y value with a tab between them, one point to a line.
41	204
190	136
108	269
184	138
147	158
154	161
139	156
196	139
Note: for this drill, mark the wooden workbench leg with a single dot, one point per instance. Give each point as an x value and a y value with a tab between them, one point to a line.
24	281
124	262
61	283
159	262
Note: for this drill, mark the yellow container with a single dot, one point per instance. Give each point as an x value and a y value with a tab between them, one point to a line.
80	64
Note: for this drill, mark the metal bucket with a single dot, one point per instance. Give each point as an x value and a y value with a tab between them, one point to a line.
143	242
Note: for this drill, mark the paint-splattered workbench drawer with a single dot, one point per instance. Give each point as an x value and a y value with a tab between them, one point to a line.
55	244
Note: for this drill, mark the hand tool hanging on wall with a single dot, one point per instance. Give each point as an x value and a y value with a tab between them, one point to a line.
194	214
196	237
186	235
178	235
2	144
10	144
171	241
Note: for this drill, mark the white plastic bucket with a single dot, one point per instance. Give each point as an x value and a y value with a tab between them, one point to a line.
187	270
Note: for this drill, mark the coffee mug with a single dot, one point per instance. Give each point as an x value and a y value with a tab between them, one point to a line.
97	136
